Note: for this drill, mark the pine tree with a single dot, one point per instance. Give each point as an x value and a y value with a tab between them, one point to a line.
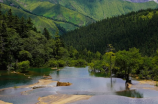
29	23
46	34
0	9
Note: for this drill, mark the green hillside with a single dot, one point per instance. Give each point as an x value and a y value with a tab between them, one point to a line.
100	9
136	29
96	9
39	21
54	11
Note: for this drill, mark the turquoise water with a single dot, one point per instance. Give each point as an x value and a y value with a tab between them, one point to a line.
83	83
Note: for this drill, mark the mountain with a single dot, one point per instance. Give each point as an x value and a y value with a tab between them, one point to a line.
96	9
135	29
39	21
141	1
71	14
54	11
100	9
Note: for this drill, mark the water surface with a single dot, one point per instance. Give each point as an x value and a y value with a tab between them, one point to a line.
83	83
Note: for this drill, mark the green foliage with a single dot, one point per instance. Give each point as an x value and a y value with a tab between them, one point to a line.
51	63
128	61
24	55
145	69
77	63
23	66
46	34
23	43
61	63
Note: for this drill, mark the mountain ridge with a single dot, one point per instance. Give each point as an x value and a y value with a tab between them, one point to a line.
72	14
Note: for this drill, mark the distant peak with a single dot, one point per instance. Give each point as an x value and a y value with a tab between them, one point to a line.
140	1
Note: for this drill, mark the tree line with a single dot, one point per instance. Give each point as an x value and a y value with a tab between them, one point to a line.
127	63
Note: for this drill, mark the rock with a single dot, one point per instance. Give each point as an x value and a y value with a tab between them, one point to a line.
35	87
47	77
63	84
54	68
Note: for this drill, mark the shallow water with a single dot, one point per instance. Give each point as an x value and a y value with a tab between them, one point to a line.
83	83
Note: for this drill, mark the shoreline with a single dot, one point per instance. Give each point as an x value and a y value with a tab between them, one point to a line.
145	82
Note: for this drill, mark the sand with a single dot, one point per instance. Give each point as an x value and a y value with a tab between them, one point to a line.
146	82
61	99
42	82
2	102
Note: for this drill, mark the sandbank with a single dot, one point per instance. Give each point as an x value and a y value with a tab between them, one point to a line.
62	99
2	102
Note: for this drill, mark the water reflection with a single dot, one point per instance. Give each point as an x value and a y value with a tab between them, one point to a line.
130	93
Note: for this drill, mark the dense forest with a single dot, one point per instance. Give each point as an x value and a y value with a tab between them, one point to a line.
22	46
136	29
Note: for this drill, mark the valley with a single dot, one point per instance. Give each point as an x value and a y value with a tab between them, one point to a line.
78	51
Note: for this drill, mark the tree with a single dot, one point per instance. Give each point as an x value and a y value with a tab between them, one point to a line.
24	55
128	62
0	10
46	34
98	55
29	24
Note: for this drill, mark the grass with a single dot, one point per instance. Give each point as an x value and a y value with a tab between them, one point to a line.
15	87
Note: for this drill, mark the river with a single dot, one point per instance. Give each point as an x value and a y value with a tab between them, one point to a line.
83	83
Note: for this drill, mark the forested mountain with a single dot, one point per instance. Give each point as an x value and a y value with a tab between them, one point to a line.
140	1
135	29
63	17
71	14
39	21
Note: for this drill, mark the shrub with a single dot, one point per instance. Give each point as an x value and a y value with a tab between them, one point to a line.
61	63
52	63
23	66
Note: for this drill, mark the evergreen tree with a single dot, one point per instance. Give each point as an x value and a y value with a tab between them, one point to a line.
46	34
29	23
